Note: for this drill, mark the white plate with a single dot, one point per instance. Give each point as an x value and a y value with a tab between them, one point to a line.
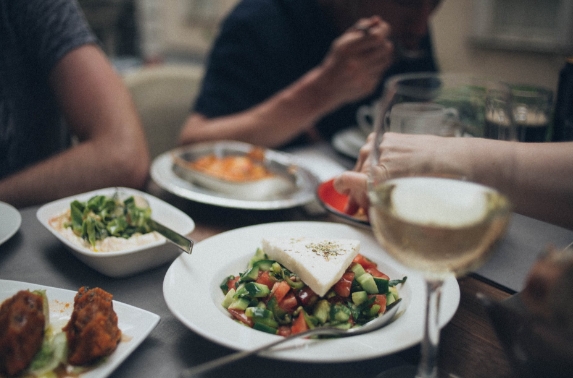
349	141
191	291
135	323
10	221
129	261
305	183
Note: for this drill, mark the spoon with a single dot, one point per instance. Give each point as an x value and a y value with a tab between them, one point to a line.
184	243
371	326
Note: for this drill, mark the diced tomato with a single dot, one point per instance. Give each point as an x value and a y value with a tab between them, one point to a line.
380	299
284	331
342	287
231	282
299	324
279	290
266	279
364	261
306	296
240	316
289	302
376	273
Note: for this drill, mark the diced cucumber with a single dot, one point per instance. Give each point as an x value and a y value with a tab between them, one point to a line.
374	310
359	297
368	284
228	298
381	284
322	311
276	268
257	290
294	284
394	290
250	275
390	298
358	270
259	255
239	304
264	265
339	313
260	315
265	328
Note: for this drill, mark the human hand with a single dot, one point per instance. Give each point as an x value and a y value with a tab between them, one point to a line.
356	61
353	183
400	155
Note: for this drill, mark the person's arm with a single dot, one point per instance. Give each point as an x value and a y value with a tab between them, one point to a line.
350	71
112	149
535	176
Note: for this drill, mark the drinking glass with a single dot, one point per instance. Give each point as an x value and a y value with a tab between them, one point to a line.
437	224
532	108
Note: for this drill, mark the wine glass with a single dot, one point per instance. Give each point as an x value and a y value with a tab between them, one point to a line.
440	223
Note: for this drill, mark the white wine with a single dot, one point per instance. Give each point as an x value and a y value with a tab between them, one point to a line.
438	225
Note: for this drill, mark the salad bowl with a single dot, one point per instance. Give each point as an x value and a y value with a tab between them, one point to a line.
133	259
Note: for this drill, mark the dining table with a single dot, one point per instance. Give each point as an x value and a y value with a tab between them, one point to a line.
469	345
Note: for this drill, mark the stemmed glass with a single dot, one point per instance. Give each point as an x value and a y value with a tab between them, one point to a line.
439	223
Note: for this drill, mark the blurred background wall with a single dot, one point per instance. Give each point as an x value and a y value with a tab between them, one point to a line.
137	31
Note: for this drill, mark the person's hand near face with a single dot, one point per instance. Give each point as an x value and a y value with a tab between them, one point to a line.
356	61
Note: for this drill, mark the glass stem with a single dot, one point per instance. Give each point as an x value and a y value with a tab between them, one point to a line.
428	367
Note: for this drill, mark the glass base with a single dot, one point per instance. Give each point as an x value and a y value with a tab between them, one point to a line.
406	371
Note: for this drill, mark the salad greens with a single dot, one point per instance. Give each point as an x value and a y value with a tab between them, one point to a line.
270	298
103	216
54	349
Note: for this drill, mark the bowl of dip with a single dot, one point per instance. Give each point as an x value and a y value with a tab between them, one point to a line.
118	256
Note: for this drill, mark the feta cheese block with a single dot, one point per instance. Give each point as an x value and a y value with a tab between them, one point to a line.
319	262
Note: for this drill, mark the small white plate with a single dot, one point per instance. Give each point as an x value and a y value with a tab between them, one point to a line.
134	323
304	182
10	221
129	261
228	253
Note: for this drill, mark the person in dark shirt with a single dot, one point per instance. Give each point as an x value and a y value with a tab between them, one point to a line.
283	70
56	82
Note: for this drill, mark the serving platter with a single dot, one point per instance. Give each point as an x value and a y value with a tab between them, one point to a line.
134	323
215	258
171	178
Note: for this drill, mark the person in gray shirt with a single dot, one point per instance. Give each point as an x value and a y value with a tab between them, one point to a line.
55	82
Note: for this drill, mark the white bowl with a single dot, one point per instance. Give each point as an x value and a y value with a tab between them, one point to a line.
129	261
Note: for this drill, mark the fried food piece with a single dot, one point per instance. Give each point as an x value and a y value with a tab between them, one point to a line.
92	331
22	324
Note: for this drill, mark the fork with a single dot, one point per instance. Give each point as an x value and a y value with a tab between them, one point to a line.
371	326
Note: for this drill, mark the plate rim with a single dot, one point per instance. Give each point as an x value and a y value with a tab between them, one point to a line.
14	214
162	174
207	325
105	369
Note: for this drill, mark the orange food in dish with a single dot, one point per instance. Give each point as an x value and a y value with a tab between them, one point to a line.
236	168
